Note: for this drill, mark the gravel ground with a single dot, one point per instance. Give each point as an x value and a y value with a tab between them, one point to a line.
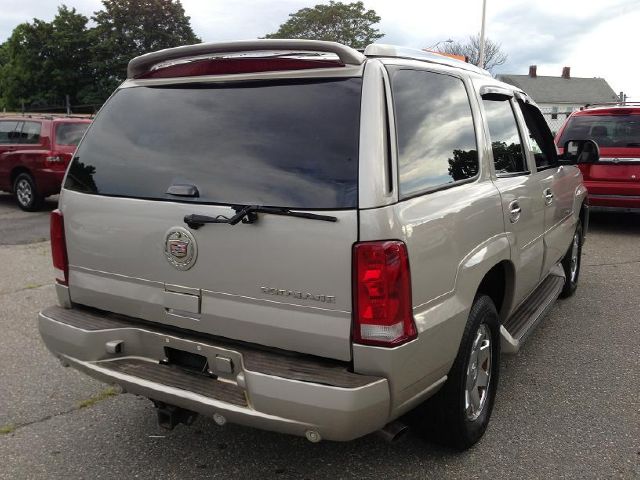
568	404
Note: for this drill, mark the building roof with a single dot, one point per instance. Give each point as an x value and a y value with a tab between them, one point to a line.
562	90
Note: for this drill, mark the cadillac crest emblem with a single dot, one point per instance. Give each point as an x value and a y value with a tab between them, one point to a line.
180	248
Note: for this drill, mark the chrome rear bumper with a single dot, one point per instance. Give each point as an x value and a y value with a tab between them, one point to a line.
249	386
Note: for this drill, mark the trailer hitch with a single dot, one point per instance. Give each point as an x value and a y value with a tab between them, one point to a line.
169	415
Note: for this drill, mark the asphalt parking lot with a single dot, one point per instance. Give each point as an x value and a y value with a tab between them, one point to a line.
568	405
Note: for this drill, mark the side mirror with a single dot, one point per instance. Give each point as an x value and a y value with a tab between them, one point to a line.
579	151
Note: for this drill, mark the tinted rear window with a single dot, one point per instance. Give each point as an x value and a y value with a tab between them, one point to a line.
605	130
70	133
287	144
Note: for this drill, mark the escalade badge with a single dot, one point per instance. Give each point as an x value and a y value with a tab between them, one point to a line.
300	295
180	248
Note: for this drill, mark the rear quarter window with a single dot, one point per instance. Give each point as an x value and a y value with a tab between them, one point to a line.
435	131
70	133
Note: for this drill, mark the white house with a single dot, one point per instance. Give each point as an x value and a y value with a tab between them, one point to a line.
557	97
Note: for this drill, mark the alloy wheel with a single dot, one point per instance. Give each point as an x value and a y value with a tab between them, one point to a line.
575	249
478	373
24	192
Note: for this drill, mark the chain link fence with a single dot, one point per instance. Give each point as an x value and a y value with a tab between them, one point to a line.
61	108
555	117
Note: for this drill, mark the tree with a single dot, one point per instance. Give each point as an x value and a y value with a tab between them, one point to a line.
70	55
493	54
4	59
128	28
26	66
42	62
348	23
463	165
506	156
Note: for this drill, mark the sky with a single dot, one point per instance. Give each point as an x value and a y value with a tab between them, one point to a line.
595	39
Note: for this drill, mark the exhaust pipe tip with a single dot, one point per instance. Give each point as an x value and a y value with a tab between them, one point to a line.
394	432
313	436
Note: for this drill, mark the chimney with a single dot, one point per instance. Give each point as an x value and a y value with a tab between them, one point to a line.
566	72
533	71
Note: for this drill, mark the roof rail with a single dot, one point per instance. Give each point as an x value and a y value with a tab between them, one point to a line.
143	63
382	50
45	116
611	104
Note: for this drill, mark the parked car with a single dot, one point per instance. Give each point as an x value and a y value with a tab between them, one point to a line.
35	151
296	236
613	181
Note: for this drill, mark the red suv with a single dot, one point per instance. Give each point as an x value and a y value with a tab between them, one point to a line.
613	181
34	154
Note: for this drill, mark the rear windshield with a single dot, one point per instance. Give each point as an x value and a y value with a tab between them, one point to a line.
286	144
70	133
605	130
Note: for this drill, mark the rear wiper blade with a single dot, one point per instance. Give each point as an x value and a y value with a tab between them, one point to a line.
633	144
249	214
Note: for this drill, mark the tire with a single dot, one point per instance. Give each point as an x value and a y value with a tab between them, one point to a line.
571	263
446	418
26	192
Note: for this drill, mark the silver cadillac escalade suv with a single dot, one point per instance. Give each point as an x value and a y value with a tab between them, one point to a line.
300	237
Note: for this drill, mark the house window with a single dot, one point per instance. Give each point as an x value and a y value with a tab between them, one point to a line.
554	113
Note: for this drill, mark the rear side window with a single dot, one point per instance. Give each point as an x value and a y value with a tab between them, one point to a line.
435	131
8	133
70	133
508	154
30	133
280	143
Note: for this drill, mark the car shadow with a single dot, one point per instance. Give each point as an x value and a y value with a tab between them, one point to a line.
624	223
209	447
8	202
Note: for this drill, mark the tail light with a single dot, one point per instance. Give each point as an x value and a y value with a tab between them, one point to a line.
59	248
382	308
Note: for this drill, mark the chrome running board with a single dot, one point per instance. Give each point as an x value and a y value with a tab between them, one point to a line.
523	321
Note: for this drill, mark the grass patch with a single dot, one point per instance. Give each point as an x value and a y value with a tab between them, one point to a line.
7	429
31	286
103	395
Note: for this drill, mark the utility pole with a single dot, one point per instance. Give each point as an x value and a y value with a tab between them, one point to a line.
622	98
481	59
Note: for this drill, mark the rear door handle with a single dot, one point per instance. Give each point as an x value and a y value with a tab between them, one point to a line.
548	197
514	211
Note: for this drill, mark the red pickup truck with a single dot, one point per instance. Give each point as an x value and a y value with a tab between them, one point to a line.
34	153
613	181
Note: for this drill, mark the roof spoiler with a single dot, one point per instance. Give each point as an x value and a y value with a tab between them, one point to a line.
144	63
